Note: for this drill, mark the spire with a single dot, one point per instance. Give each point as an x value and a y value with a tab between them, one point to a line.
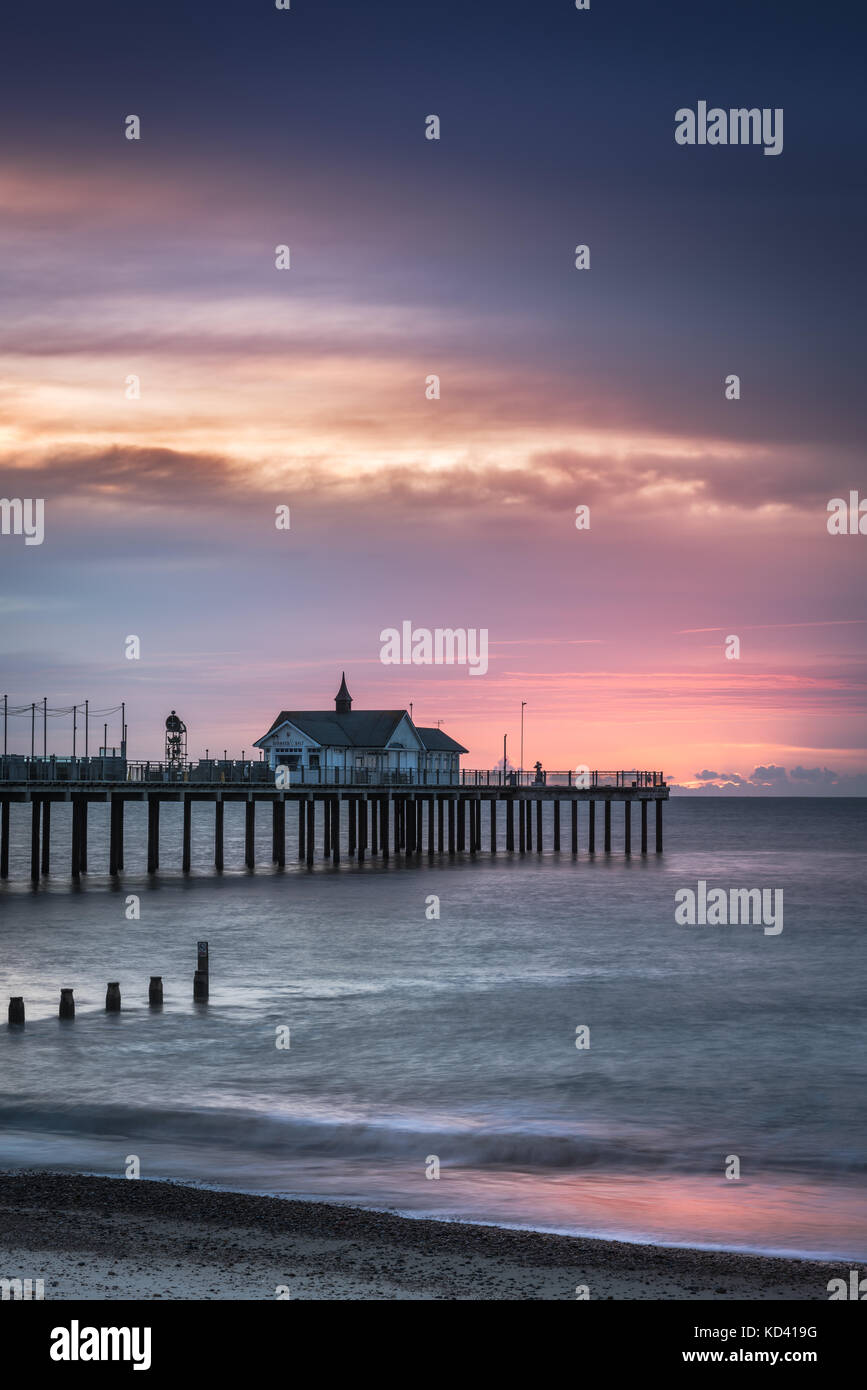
343	699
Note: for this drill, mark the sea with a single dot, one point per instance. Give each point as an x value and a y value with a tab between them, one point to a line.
531	1041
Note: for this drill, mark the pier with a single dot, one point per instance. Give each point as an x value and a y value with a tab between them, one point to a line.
407	814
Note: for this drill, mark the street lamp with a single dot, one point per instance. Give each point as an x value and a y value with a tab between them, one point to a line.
523	703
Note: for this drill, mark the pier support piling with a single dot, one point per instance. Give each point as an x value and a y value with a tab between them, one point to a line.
4	840
644	825
574	827
218	836
187	835
35	814
46	837
627	827
659	827
556	826
153	834
250	834
591	827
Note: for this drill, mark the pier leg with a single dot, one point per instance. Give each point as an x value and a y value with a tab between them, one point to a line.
659	827
311	830
430	826
362	827
249	833
281	833
115	835
302	814
627	827
539	826
574	827
522	832
351	832
153	834
335	830
440	821
528	816
451	825
383	824
187	835
75	860
374	825
4	840
462	823
608	826
644	825
218	836
46	836
556	826
409	829
419	825
492	805
591	828
35	813
326	827
275	822
82	857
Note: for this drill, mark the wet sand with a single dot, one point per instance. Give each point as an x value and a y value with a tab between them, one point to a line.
116	1238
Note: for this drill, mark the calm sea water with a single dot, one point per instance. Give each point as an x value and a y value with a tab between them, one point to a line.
454	1038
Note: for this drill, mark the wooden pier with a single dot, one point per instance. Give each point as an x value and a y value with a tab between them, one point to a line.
356	818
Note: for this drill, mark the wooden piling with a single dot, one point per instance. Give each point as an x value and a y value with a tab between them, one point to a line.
326	827
528	818
75	855
556	826
82	853
335	829
522	826
218	835
155	992
16	1009
430	827
302	818
591	827
311	831
115	834
67	1004
383	825
201	976
374	826
659	827
574	827
46	837
627	827
250	833
352	838
607	812
492	807
281	832
441	805
539	825
644	825
4	840
112	997
35	814
451	812
510	825
186	835
153	834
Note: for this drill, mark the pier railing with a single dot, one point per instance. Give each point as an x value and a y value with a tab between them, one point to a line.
214	772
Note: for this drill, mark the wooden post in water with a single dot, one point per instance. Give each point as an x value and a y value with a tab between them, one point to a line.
528	816
201	978
451	808
556	825
574	826
374	826
281	832
352	838
627	827
644	825
440	822
510	825
16	1009
82	854
383	825
155	992
326	827
153	834
218	835
591	828
75	864
46	837
35	812
311	831
539	825
430	827
187	835
115	835
607	805
522	824
249	832
409	831
112	997
492	806
4	840
659	827
67	1004
302	817
335	829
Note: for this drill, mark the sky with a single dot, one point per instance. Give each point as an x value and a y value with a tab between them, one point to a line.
306	387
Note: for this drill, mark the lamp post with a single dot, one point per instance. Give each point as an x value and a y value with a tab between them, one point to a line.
504	759
523	703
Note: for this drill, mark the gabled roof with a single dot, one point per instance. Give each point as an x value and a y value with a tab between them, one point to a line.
435	741
364	728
